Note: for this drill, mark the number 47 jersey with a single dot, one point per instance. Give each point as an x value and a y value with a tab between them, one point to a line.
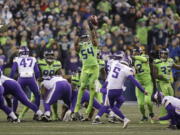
25	66
117	75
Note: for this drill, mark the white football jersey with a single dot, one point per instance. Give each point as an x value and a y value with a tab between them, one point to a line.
50	84
109	63
5	78
175	102
118	75
25	66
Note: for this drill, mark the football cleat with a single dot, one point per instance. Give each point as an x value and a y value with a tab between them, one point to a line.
114	120
97	121
16	121
46	118
172	127
85	119
76	116
144	119
37	117
151	115
126	121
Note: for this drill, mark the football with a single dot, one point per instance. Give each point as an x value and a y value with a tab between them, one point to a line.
94	19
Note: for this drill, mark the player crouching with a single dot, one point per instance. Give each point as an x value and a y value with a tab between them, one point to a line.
172	106
60	89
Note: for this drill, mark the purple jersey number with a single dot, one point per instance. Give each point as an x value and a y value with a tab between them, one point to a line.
116	72
26	62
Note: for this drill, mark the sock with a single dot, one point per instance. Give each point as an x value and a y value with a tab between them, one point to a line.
12	115
150	108
25	108
142	110
90	105
55	110
97	117
118	112
78	103
47	113
39	113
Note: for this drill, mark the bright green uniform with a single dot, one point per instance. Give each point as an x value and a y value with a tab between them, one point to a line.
46	72
164	68
49	70
143	75
90	72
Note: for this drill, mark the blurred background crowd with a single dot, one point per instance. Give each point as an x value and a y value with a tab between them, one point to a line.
123	24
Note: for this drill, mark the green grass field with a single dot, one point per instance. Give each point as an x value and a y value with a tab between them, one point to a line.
84	128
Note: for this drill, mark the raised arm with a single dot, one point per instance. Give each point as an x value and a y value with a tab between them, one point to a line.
92	22
76	44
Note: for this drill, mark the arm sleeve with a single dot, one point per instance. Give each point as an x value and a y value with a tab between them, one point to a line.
170	110
36	71
140	58
103	89
136	83
13	71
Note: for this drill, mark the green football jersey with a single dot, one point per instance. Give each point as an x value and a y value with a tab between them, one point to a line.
142	67
47	71
164	68
88	54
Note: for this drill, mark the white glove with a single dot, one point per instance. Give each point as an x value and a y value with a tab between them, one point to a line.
67	116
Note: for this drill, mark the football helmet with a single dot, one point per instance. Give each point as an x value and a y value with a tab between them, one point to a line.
49	55
163	54
158	97
24	50
119	55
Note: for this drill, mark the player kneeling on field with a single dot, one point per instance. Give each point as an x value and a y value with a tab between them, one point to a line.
172	106
60	89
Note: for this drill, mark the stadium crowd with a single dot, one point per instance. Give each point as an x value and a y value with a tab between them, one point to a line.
123	24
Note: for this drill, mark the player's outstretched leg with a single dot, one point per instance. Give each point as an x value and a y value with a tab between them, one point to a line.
80	94
15	89
113	97
6	109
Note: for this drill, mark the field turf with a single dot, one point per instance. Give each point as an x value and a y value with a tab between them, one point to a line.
30	127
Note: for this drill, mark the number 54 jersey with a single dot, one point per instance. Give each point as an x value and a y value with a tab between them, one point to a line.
26	66
88	54
117	75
